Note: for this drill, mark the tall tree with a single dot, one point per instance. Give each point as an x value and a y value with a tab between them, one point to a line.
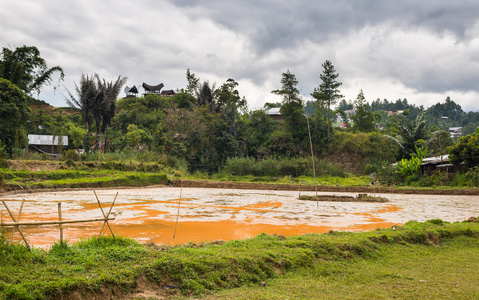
259	128
364	119
193	82
230	106
14	112
86	99
292	111
288	90
328	93
96	100
109	92
205	94
25	68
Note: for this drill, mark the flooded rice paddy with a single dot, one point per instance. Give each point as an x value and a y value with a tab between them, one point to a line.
150	214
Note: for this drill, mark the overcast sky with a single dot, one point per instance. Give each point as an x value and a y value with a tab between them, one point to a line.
422	50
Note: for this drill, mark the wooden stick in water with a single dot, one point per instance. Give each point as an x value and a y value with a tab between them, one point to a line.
179	202
111	208
16	224
60	219
99	204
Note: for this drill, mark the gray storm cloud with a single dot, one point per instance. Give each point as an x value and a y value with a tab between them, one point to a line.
420	50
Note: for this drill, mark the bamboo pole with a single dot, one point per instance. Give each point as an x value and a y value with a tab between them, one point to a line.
60	219
15	223
111	208
56	222
312	158
179	202
18	219
99	204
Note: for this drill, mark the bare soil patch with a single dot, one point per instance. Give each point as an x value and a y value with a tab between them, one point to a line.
35	165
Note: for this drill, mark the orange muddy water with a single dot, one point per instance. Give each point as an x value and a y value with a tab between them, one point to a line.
153	214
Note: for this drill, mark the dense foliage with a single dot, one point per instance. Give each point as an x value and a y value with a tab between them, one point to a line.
204	126
14	112
466	150
25	68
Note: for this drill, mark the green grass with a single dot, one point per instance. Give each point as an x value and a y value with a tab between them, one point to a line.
350	180
80	178
413	271
418	260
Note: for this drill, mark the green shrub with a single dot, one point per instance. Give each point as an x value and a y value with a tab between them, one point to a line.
70	155
295	167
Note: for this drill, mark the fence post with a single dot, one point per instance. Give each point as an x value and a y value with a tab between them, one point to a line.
60	219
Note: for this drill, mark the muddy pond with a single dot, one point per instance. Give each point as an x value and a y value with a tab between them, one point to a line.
200	214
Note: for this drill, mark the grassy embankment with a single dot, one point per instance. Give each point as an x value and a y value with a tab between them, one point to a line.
30	175
45	174
38	174
418	260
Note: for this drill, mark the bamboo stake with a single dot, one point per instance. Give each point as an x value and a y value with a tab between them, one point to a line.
56	222
99	204
60	219
111	208
18	219
312	159
299	189
179	202
16	224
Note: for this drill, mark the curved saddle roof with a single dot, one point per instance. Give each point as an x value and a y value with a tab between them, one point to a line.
152	88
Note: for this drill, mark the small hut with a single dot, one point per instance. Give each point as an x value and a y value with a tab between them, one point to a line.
152	89
131	91
431	165
47	144
167	93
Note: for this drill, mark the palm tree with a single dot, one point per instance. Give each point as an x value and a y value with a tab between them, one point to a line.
110	92
26	69
96	100
410	132
87	99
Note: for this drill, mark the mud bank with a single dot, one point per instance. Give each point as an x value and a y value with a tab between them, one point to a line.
338	189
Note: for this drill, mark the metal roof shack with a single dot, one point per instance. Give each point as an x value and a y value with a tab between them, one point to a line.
275	113
431	165
47	144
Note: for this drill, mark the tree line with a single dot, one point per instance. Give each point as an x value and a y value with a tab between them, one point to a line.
204	125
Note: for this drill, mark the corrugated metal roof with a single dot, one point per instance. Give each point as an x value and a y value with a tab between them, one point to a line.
47	140
435	160
274	111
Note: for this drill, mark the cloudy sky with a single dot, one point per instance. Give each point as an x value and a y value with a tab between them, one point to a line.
423	50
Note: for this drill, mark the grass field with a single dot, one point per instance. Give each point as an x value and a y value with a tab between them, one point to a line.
413	271
431	260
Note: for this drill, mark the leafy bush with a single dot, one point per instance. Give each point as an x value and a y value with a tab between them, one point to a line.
3	156
387	175
294	167
466	150
70	155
